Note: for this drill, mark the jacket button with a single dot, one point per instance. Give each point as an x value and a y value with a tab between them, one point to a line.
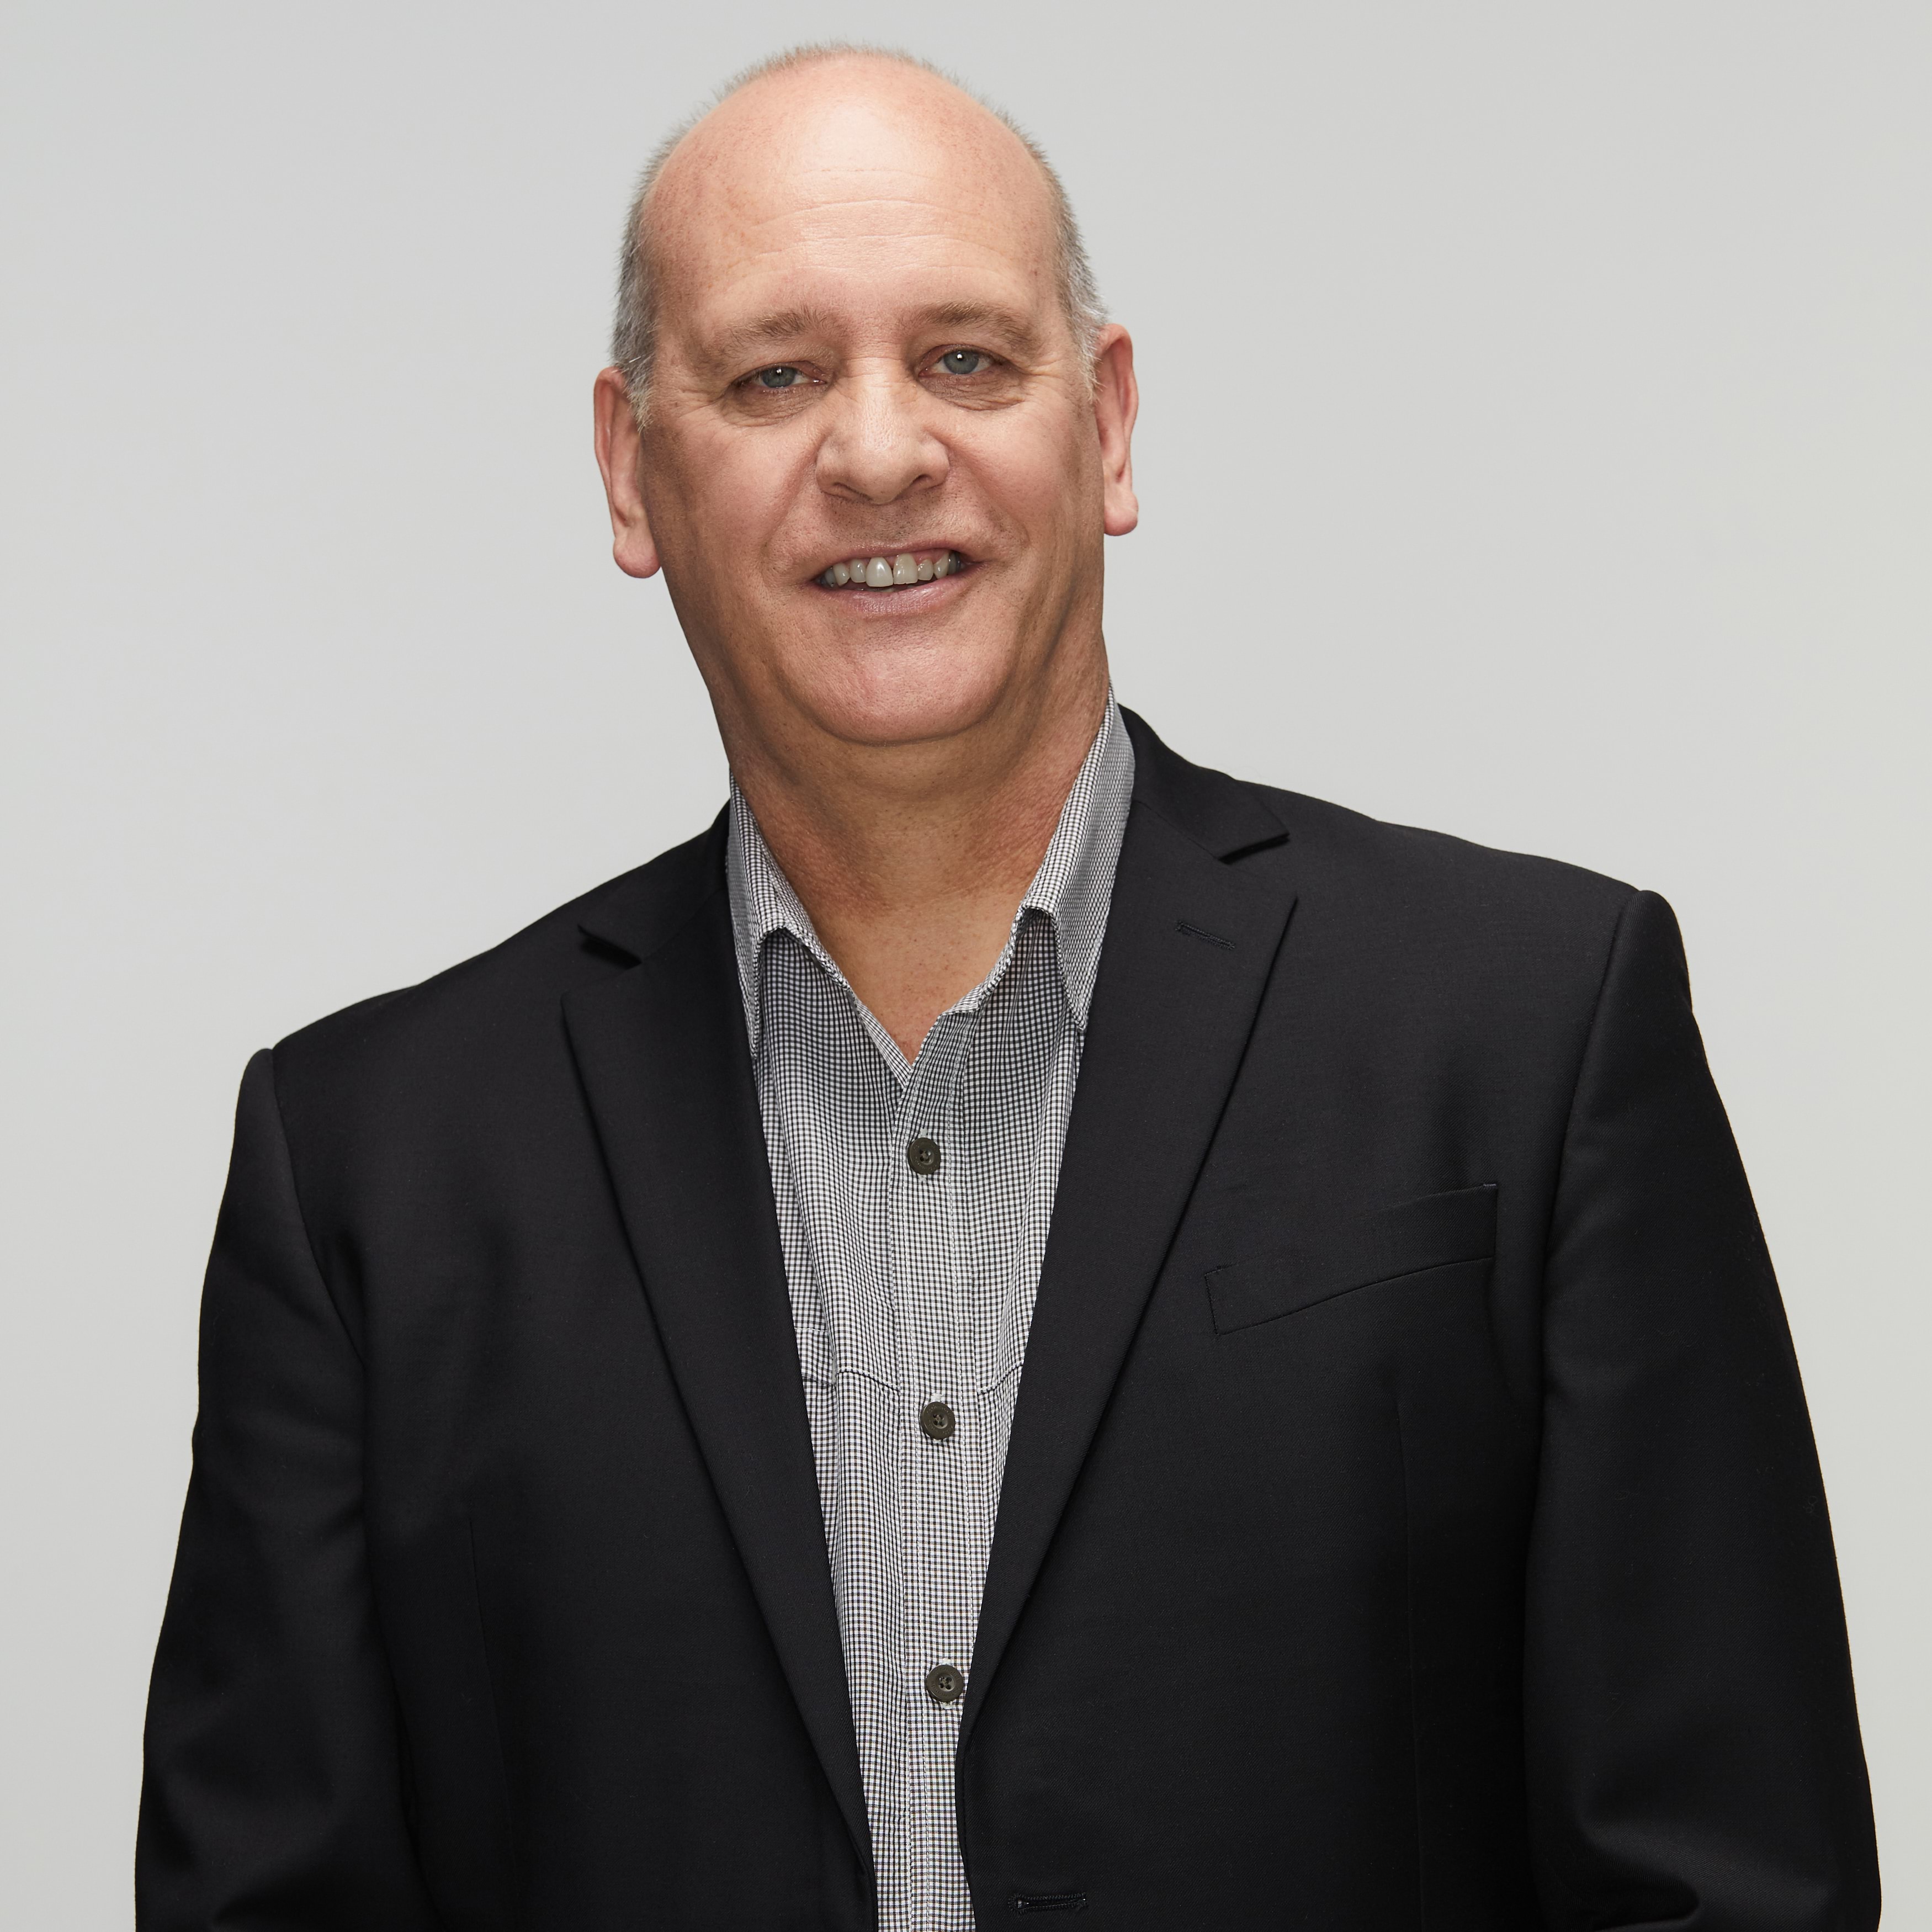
945	1683
922	1156
938	1421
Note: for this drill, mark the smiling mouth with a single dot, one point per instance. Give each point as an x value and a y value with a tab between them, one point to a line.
891	573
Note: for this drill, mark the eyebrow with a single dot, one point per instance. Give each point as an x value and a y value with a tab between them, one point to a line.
788	325
1018	333
784	324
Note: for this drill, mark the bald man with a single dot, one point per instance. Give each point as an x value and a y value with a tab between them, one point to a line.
1020	1327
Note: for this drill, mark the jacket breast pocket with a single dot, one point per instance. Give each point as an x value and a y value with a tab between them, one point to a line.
1353	1252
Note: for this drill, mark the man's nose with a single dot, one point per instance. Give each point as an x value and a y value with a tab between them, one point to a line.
880	444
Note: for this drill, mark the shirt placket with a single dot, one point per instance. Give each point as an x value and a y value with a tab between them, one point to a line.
938	1455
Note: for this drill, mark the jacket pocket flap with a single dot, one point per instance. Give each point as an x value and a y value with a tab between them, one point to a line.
1432	1232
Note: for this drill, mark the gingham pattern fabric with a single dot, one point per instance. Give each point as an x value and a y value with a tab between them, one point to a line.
909	1287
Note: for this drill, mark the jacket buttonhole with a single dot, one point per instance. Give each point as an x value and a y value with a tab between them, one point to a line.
1226	945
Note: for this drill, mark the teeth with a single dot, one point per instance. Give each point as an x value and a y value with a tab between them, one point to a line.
881	573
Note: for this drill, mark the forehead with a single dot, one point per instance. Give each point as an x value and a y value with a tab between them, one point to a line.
859	188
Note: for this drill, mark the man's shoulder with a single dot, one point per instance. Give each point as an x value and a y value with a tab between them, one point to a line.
1399	921
1350	851
515	988
1352	864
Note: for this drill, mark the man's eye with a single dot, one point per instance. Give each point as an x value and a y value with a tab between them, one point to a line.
783	377
965	361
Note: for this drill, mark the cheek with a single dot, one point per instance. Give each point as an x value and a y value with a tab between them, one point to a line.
725	493
1041	470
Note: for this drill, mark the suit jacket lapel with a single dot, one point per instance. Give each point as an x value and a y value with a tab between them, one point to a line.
1189	944
663	1056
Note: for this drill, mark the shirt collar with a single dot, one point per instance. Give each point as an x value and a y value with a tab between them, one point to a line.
1073	888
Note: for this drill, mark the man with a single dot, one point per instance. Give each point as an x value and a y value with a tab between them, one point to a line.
1020	1327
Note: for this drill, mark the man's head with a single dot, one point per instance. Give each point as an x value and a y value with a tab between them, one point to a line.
855	323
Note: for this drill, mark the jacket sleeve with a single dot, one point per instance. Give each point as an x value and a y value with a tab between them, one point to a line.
1693	1750
274	1796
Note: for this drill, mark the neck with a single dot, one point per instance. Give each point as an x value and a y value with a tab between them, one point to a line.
911	860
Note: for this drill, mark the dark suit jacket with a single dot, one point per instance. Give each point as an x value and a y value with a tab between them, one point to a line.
1411	1518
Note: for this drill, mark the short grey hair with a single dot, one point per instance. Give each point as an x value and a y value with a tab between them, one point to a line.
634	335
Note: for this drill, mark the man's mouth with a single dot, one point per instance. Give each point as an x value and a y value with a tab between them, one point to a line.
891	573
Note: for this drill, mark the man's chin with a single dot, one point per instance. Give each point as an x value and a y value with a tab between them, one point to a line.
912	695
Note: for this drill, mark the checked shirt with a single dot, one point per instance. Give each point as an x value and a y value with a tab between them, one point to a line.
910	1288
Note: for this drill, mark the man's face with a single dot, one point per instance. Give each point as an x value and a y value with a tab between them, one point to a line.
863	355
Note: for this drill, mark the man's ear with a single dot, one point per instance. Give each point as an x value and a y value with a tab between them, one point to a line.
1116	401
617	452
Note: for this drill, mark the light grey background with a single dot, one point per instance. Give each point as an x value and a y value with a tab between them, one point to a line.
1537	445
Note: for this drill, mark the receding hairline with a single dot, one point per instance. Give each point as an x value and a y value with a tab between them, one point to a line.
633	336
670	153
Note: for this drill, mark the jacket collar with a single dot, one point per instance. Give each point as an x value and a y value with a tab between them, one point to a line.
660	1050
1227	819
1202	904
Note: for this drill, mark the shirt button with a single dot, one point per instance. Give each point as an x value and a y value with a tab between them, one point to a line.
945	1683
938	1421
922	1156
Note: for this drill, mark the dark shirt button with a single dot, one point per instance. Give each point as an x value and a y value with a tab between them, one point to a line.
938	1421
922	1156
945	1683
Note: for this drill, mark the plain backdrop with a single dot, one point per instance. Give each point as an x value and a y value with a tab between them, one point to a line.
1537	445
